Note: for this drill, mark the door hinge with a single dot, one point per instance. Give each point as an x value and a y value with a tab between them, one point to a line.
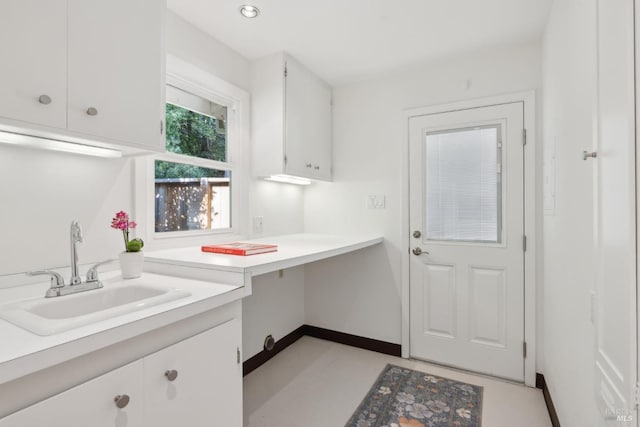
285	160
238	355
286	72
524	243
161	127
636	394
524	349
524	137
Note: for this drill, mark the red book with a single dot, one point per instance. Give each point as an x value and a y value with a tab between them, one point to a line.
238	248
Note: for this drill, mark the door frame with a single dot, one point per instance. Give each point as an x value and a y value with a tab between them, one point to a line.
531	216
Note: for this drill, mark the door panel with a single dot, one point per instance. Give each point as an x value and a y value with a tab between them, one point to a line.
438	282
467	200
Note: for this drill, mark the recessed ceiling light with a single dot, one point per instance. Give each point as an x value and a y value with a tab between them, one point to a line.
249	11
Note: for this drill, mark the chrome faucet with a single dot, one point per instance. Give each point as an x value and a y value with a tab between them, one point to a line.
76	237
58	287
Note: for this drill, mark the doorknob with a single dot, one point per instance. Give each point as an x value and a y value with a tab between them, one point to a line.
417	234
417	251
586	155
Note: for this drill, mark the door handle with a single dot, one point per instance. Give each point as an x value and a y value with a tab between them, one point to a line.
417	251
586	155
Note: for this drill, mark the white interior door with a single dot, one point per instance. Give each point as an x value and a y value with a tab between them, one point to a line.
467	219
615	209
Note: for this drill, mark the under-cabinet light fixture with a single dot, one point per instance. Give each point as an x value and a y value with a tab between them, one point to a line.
249	11
56	145
288	179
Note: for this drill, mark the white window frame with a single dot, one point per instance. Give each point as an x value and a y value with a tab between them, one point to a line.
190	78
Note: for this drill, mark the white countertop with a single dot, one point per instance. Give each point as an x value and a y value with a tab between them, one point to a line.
22	352
293	250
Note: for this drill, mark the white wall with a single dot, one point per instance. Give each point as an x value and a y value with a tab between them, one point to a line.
43	191
198	48
569	64
361	293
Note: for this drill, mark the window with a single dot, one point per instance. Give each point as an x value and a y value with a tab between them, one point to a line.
463	185
190	196
196	190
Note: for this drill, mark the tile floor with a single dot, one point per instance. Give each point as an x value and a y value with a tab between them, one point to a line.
317	383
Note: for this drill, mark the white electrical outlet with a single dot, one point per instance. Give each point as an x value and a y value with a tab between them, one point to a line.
258	224
376	201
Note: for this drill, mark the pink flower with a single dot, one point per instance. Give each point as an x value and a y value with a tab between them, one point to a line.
121	222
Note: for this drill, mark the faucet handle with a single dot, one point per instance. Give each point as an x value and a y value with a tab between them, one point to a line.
57	281
92	273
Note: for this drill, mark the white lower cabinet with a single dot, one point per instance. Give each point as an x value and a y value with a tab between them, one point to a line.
90	404
207	390
196	382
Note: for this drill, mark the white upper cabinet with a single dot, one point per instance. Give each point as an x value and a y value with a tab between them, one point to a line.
84	70
33	49
291	119
115	67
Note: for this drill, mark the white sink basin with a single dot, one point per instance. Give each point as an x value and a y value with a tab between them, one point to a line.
48	316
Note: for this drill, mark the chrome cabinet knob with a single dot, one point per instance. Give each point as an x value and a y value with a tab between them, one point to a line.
417	251
44	99
122	400
586	154
171	375
91	111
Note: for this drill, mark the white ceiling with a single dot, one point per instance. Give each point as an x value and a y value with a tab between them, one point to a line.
344	41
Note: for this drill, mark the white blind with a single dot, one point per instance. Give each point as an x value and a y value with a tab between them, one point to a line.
463	185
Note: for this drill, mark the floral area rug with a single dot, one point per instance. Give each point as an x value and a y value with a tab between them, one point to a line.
403	397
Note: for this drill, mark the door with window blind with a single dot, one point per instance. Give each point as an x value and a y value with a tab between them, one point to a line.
467	236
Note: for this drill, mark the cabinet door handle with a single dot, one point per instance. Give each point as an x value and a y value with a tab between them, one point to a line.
44	99
308	165
317	168
122	400
91	111
171	375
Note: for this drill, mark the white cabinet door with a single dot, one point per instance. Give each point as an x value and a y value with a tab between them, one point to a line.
115	68
207	390
33	46
307	123
89	404
615	213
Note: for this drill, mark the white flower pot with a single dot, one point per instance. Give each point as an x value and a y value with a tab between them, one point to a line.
131	264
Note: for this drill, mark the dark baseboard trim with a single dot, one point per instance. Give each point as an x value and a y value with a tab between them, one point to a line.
542	384
261	358
354	340
326	334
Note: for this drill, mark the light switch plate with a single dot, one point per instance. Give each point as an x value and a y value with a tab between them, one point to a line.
258	222
376	201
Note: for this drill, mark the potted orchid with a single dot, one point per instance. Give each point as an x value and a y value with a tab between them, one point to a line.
132	258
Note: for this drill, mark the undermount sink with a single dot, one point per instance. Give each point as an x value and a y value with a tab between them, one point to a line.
48	316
